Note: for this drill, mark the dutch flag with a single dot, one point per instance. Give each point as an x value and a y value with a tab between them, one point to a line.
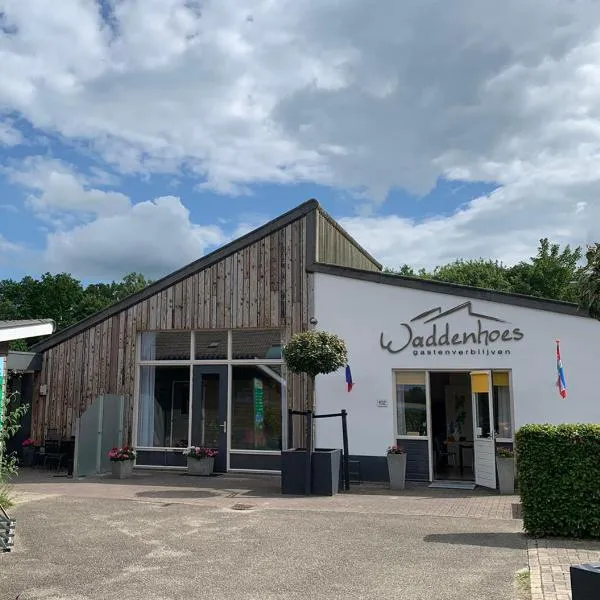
349	381
561	382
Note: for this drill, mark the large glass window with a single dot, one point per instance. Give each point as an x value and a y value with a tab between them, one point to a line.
411	404
163	413
210	345
256	408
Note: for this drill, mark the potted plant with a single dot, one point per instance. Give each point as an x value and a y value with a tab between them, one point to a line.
200	460
505	465
312	353
121	461
28	447
396	461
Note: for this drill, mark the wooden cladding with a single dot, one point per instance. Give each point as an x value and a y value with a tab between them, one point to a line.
262	285
336	247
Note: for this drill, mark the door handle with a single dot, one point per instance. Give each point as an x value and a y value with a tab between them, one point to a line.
223	426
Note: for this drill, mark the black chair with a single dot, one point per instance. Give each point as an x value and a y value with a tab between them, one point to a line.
441	451
52	451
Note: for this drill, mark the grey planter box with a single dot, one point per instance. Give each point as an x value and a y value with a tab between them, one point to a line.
293	472
201	466
397	471
585	581
506	474
28	456
121	469
325	471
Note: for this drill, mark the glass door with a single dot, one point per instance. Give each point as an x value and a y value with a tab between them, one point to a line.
483	429
209	412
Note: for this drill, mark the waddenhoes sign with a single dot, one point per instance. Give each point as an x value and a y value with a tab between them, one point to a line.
431	333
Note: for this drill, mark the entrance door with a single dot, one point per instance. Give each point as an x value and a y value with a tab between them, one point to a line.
209	412
483	429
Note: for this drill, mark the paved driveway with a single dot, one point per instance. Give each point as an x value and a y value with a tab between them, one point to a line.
177	541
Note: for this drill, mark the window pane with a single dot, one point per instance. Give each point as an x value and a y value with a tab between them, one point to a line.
483	415
251	344
165	345
163	414
256	408
502	416
211	345
411	408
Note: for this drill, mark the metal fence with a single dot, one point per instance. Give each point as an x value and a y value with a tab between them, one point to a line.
7	531
99	429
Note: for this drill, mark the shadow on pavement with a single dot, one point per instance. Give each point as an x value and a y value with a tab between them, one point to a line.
513	541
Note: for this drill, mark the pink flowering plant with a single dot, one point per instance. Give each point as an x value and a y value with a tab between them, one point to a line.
121	454
200	452
29	442
395	450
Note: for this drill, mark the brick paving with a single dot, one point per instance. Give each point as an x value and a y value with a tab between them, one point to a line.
549	563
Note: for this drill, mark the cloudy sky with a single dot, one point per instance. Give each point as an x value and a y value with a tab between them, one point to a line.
140	134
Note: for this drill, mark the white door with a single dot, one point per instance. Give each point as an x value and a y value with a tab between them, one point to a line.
484	444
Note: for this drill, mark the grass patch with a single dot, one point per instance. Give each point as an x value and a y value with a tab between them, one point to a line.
5	496
523	582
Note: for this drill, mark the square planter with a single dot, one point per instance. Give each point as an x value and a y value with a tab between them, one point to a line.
506	474
397	471
121	469
201	466
325	471
585	581
294	472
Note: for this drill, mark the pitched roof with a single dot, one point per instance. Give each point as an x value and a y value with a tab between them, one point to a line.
16	330
177	276
454	289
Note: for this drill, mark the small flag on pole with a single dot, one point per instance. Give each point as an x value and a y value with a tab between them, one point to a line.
561	382
349	378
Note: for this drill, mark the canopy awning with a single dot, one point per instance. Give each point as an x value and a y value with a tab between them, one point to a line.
18	330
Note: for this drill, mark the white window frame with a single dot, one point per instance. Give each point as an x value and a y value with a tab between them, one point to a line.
427	405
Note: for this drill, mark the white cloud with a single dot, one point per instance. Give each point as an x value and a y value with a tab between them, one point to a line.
9	135
154	238
8	250
329	92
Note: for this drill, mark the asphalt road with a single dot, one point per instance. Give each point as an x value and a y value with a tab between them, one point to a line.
89	548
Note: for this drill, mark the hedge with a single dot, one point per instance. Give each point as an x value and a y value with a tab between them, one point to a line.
559	479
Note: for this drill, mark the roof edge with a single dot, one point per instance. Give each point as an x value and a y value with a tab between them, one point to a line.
456	289
158	286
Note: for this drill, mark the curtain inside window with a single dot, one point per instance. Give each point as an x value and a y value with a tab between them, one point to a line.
503	418
146	434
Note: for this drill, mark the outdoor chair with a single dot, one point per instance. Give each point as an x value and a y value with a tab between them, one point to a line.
52	452
441	451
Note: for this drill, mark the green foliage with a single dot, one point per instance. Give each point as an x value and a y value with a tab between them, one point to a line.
315	353
589	282
8	462
61	298
559	479
553	273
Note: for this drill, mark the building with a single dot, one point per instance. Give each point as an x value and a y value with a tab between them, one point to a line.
18	361
447	371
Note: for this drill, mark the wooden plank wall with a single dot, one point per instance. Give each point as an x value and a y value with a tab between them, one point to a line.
264	285
335	247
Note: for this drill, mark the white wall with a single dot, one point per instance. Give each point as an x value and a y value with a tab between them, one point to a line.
360	311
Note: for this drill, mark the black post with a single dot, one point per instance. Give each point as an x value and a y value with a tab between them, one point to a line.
290	435
345	458
309	449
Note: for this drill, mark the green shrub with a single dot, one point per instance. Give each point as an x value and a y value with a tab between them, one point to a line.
559	479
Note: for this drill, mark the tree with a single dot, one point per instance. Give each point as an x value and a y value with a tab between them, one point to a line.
61	298
552	273
481	273
589	282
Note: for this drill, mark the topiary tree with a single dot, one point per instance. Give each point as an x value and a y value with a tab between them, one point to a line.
589	282
315	353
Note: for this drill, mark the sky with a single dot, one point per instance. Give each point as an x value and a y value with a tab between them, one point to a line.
138	135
